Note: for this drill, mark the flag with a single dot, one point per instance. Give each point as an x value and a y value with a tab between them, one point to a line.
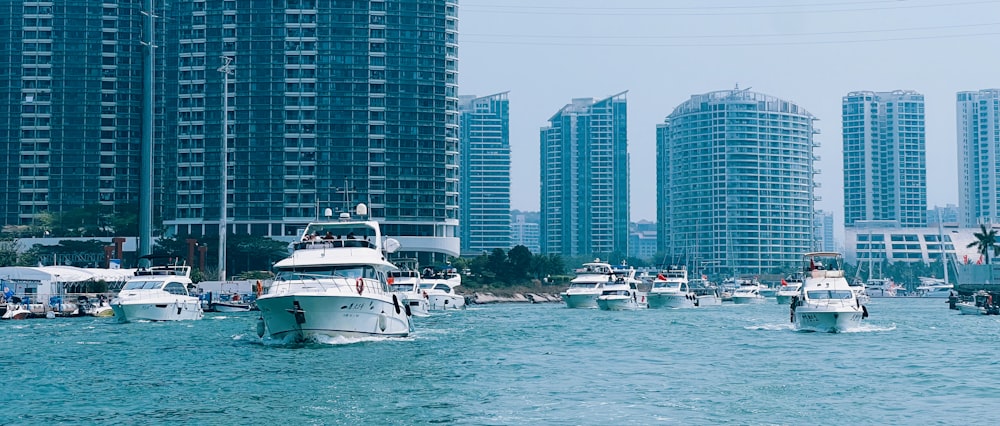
966	259
812	265
661	277
783	282
390	280
980	261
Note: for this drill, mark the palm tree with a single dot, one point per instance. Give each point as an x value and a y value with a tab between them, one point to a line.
985	239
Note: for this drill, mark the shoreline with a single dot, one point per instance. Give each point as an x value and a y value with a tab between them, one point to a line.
487	297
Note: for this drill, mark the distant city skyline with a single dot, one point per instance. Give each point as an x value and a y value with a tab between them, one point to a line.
811	53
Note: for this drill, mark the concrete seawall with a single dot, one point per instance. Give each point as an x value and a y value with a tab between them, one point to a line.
482	298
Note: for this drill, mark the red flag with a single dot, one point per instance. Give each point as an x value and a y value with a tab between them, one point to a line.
390	280
783	282
966	258
661	277
980	261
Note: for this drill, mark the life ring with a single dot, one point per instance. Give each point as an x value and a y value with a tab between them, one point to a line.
359	285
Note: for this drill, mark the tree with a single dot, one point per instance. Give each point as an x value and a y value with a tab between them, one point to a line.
985	240
519	258
8	252
497	264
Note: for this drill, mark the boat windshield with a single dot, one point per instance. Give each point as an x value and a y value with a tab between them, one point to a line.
667	285
615	293
583	285
830	294
401	287
326	271
142	285
427	286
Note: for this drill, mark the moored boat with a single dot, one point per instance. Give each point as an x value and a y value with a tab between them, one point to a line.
622	292
334	285
670	289
748	292
587	285
826	302
789	289
981	303
158	293
405	284
439	285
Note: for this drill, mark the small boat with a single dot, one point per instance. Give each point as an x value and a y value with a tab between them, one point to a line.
95	308
158	293
826	302
405	284
860	290
748	292
16	310
334	286
622	293
981	303
670	289
439	285
587	285
789	289
768	291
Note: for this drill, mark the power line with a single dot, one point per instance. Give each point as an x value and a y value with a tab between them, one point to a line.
734	44
710	11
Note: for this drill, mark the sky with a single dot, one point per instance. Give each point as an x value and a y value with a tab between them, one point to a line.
810	52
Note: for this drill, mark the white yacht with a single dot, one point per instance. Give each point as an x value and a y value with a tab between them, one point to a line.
670	289
622	292
860	290
826	302
405	284
881	287
934	287
334	285
789	288
748	292
439	286
587	285
705	292
158	293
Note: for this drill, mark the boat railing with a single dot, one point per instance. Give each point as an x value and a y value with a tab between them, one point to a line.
321	243
340	283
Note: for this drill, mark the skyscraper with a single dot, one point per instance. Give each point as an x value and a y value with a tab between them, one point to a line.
485	170
824	232
71	109
735	182
885	166
585	178
978	123
331	104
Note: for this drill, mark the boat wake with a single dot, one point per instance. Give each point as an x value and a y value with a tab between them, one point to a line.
318	341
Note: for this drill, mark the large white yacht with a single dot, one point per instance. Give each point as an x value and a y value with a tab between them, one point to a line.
826	302
334	285
405	284
748	292
881	287
934	287
587	285
670	289
622	292
157	293
439	286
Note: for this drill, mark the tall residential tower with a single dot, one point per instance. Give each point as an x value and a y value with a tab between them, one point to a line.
735	182
485	170
978	125
885	165
585	178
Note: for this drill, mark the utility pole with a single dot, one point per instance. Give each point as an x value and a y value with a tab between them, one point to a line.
226	69
146	146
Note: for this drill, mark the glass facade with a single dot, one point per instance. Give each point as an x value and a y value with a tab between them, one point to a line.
585	178
978	123
331	104
735	178
485	168
885	165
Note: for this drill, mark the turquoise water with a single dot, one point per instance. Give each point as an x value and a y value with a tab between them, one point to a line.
915	363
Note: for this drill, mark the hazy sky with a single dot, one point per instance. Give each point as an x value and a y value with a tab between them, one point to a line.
811	52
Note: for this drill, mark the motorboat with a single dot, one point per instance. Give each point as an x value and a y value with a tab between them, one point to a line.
670	289
587	285
334	285
705	292
767	291
99	307
405	284
158	292
789	288
748	292
934	287
826	302
622	292
981	303
233	303
860	290
439	285
881	287
15	309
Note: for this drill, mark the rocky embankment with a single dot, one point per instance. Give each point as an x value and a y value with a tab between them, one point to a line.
487	297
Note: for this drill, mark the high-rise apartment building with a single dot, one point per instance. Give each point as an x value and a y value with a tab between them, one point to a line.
330	104
735	183
585	178
978	122
485	170
71	107
524	232
885	165
823	227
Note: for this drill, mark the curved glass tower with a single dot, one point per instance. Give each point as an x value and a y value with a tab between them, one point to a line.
735	182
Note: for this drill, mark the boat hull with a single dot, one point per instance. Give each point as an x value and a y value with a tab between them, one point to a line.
230	307
708	300
618	303
745	300
671	300
970	309
784	299
580	300
445	302
305	317
827	321
177	310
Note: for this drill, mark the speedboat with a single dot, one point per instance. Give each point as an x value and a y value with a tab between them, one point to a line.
233	303
622	292
860	290
705	292
100	308
439	286
16	309
789	289
826	302
748	292
934	287
587	285
158	293
980	304
405	284
670	289
334	287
